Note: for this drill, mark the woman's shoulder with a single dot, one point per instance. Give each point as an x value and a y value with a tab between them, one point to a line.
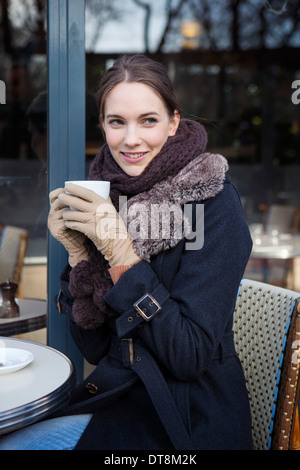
228	195
224	212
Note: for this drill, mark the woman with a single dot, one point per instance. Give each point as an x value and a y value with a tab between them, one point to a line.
151	307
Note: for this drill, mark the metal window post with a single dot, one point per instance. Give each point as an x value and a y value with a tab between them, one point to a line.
66	121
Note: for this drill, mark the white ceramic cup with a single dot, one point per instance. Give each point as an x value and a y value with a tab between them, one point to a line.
99	187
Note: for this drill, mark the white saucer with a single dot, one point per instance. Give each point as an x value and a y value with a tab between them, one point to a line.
12	360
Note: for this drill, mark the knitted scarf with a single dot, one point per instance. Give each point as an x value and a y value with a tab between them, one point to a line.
189	142
179	174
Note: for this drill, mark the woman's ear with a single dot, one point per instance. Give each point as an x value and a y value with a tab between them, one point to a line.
174	123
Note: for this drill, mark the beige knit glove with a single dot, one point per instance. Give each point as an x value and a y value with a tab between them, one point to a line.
72	240
98	220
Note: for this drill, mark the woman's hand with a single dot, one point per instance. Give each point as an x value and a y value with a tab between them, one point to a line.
98	219
72	241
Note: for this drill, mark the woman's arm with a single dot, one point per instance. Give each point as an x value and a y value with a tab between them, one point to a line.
197	309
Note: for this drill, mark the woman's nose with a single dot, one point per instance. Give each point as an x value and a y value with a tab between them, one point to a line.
132	137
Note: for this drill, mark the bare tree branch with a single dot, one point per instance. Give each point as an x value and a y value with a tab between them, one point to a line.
276	12
172	14
147	8
6	27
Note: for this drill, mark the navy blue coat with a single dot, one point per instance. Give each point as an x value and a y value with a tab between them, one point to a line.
173	382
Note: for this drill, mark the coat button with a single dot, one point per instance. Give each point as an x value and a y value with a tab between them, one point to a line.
91	388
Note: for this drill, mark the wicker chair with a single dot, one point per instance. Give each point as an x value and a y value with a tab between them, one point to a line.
267	338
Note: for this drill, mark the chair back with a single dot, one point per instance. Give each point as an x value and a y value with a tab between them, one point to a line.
283	218
13	244
267	334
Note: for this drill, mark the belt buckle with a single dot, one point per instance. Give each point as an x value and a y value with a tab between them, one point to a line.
142	310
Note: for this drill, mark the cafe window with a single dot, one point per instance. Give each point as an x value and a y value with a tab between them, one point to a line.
40	116
23	142
233	65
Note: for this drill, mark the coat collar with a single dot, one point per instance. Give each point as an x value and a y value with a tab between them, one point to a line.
156	219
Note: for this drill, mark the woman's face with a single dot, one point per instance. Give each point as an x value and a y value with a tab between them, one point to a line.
136	125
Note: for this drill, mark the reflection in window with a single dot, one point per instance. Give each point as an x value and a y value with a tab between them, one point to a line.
23	122
232	65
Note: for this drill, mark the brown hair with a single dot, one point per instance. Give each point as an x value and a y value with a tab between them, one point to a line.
142	69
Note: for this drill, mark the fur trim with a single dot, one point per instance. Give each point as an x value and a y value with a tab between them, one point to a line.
146	212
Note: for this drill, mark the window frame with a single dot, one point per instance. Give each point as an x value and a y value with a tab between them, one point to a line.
66	142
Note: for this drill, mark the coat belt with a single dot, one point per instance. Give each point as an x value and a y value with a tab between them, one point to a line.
138	358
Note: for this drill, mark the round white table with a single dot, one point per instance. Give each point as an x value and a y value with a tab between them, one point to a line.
33	316
282	246
32	393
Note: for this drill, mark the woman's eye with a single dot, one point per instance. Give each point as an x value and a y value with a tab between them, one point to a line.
116	122
150	121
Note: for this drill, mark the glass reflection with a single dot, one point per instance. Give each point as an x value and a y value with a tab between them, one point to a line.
234	66
23	130
234	69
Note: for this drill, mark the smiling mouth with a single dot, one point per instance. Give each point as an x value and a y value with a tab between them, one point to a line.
134	156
